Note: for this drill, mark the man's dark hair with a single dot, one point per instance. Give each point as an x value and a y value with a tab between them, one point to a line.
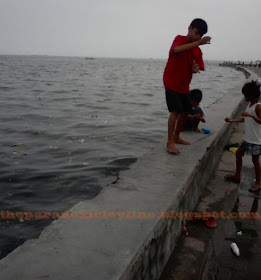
200	24
196	94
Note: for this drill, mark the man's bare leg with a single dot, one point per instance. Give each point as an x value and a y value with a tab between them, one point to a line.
179	126
171	127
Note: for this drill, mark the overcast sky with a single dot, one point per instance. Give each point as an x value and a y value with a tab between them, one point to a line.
128	28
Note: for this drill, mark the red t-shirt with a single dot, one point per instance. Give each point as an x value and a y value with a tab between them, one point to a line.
178	71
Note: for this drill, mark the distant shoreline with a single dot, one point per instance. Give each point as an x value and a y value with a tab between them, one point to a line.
99	57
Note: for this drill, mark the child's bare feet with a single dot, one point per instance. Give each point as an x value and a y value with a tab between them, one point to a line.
197	130
172	149
232	178
181	141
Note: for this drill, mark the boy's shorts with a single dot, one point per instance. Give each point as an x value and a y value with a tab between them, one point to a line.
250	149
177	102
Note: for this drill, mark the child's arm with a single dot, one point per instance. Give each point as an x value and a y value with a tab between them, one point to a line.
258	113
190	117
185	47
198	116
234	120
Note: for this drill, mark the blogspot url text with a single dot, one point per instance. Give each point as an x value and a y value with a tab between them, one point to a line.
130	215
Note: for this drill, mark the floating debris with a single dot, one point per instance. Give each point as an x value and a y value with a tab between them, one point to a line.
17	145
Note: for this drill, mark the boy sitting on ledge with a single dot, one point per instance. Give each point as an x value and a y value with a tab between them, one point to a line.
196	114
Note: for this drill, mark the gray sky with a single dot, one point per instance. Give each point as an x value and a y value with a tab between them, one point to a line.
128	28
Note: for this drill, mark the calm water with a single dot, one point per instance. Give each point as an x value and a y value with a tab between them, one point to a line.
69	125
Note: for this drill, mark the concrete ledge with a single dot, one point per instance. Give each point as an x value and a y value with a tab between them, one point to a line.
129	248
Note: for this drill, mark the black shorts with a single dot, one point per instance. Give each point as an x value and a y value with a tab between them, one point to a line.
178	102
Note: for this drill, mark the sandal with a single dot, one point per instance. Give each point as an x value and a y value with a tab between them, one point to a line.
211	222
254	189
231	178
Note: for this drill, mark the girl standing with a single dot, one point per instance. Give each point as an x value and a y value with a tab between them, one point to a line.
251	143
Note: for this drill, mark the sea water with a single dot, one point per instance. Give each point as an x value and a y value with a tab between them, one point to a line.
70	124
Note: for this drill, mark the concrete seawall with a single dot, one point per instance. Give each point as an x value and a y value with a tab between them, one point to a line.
129	247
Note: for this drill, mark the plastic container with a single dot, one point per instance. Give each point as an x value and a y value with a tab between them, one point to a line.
233	149
206	130
235	249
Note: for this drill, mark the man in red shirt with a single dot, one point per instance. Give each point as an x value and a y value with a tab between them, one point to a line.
185	58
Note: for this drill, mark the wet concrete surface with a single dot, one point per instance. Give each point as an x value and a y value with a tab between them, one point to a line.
245	231
205	253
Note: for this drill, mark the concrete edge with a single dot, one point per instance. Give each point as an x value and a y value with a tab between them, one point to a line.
148	261
193	188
